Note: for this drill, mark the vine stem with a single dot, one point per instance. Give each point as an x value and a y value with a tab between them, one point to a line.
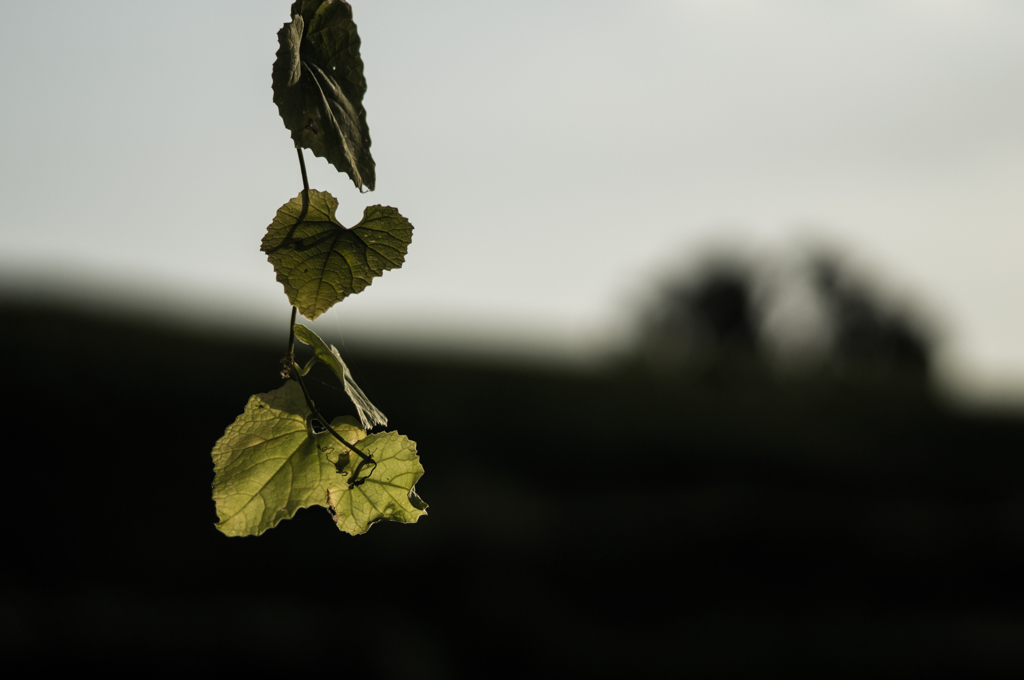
323	421
291	335
305	186
288	240
293	368
288	360
289	357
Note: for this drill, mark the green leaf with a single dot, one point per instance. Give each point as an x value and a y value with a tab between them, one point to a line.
369	415
270	463
319	86
267	464
320	262
388	493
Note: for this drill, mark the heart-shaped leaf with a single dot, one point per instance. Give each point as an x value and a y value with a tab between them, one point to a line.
319	86
320	262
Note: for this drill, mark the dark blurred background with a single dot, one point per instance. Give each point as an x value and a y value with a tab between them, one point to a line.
718	499
710	336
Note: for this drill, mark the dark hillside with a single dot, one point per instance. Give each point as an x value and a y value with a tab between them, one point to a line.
621	523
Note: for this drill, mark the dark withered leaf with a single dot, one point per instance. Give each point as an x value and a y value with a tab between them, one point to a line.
319	86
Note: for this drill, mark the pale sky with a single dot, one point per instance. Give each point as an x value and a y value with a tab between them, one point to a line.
557	159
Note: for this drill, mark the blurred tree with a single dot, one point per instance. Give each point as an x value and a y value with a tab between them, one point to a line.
863	329
710	318
814	310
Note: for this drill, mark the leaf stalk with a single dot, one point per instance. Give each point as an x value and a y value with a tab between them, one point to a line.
323	421
305	186
289	357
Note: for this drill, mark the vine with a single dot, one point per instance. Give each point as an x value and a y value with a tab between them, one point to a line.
281	454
